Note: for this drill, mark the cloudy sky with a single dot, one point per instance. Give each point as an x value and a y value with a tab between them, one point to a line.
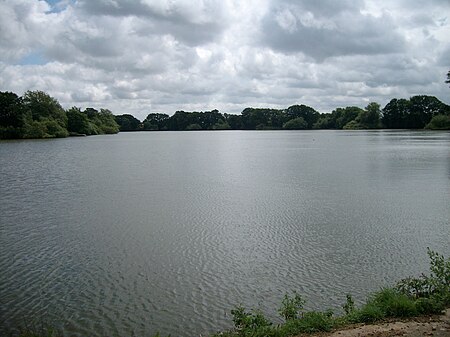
142	56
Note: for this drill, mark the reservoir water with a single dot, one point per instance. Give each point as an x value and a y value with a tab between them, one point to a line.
130	234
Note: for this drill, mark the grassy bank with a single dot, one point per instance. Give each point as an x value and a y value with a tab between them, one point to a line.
410	297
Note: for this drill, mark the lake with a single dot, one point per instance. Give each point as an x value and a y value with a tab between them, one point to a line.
134	233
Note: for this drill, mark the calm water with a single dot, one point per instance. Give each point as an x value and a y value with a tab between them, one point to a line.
134	233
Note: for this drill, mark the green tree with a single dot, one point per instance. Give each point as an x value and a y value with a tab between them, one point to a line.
370	117
235	121
101	122
309	115
44	118
439	122
342	116
256	118
156	121
395	113
128	122
414	113
298	123
12	113
42	106
77	121
325	121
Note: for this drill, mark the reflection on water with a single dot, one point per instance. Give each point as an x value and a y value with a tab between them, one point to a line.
140	232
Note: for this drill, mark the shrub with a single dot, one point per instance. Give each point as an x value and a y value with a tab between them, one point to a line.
244	320
311	322
291	307
349	305
369	313
436	285
393	303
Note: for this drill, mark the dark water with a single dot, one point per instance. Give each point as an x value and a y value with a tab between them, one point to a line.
129	234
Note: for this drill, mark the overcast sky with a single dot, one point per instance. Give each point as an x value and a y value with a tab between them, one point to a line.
143	56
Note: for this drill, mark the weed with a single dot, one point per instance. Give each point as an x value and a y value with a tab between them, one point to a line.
349	305
291	307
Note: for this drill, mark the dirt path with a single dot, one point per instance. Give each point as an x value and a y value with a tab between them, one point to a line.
438	326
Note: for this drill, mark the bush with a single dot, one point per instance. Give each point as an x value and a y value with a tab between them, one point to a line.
311	322
369	313
244	320
393	303
439	122
349	305
436	286
291	307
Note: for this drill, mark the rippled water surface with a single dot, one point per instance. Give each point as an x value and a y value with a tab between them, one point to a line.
141	232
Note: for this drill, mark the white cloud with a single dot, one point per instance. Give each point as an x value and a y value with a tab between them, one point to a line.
165	55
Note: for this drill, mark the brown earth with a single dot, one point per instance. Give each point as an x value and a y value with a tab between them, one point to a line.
438	326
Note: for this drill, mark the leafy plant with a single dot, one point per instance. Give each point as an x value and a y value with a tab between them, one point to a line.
436	285
349	305
244	320
291	307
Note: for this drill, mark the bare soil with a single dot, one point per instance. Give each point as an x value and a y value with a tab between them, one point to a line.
438	326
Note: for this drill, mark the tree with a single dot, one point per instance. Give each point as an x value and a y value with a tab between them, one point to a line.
235	121
395	113
298	123
77	121
43	106
309	115
101	122
414	113
11	115
439	122
44	118
256	118
156	121
370	117
127	122
342	116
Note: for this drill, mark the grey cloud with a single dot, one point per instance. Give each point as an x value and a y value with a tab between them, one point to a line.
192	24
345	33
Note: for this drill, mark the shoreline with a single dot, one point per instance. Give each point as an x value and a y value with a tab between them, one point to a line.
435	325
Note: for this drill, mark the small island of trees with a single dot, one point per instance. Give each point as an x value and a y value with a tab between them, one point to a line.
38	115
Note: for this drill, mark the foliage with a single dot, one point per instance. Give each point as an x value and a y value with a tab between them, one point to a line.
128	122
296	124
38	115
435	286
193	127
78	122
308	114
393	303
155	121
353	125
349	305
29	116
291	307
311	322
369	313
414	113
245	320
370	117
439	122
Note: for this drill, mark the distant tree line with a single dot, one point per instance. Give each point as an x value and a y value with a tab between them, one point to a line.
418	112
38	115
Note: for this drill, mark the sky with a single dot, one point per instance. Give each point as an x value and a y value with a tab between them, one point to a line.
146	56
